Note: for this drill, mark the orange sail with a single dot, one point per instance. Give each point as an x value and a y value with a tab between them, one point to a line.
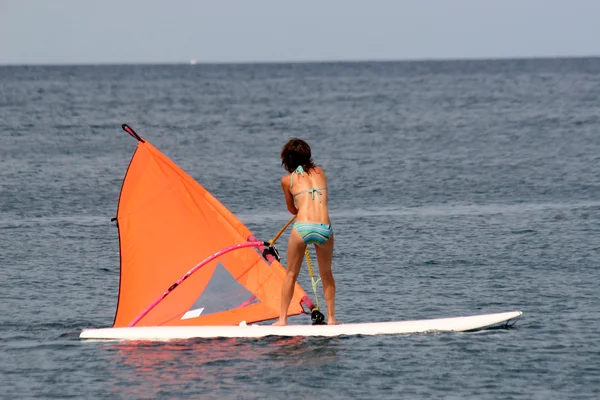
168	223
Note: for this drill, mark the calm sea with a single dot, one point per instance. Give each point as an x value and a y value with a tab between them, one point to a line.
456	188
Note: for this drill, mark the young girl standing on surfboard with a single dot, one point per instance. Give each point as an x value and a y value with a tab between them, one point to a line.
305	190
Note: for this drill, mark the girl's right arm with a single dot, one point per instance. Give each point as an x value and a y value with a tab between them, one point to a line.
289	199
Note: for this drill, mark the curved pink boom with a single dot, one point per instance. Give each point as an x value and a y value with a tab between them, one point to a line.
190	272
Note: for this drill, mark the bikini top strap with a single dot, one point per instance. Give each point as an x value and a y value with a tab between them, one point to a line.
312	193
299	171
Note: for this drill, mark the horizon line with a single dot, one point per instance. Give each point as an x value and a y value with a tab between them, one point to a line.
306	61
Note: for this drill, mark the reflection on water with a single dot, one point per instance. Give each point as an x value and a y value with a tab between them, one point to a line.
210	365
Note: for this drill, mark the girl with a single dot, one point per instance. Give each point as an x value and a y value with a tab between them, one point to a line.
305	190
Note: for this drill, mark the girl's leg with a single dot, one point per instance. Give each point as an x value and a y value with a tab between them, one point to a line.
295	254
324	256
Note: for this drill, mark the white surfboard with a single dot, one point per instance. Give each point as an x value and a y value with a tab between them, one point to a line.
245	285
161	333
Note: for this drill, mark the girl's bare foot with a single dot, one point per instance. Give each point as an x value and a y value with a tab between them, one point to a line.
280	323
332	321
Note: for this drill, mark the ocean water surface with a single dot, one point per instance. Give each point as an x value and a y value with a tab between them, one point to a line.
456	188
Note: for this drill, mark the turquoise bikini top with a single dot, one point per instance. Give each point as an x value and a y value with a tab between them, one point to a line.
300	171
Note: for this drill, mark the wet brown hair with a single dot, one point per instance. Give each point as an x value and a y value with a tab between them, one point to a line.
294	153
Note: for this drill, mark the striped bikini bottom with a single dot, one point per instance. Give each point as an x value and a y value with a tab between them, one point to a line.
313	233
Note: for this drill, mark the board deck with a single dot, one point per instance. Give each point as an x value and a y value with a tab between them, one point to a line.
158	333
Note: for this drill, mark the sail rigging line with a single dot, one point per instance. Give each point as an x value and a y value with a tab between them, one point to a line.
316	315
190	272
312	276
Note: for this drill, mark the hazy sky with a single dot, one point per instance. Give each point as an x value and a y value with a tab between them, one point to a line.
161	31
